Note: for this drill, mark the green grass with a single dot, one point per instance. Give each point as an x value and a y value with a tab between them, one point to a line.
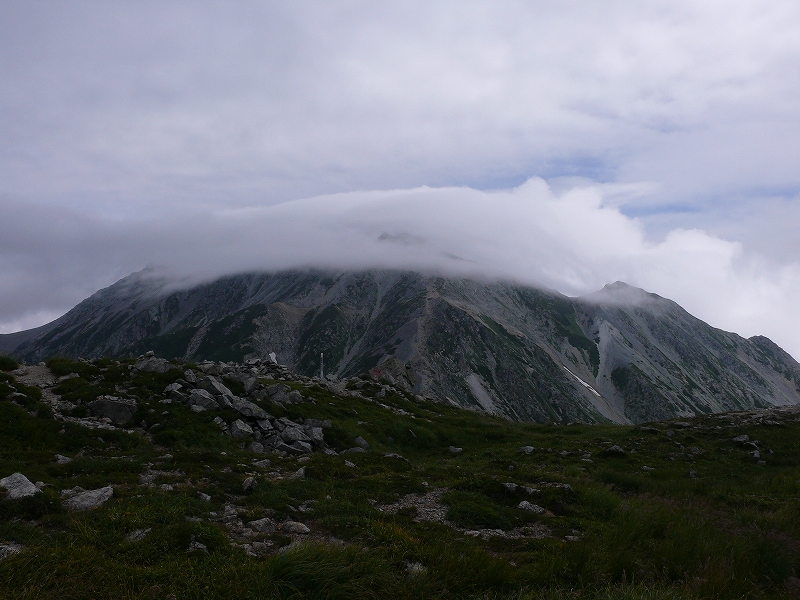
732	530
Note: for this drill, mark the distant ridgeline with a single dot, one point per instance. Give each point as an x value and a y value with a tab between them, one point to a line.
619	355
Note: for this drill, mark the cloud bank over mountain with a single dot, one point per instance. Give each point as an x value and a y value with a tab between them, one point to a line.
575	241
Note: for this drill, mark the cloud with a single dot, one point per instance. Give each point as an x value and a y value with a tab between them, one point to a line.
570	241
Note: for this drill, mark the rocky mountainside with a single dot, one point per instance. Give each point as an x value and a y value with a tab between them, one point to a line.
619	355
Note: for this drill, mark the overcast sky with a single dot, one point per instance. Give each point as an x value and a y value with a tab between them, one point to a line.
567	144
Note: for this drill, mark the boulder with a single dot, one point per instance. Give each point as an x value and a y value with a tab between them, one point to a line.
240	429
265	525
190	377
210	368
315	433
18	486
294	434
294	397
257	447
302	447
295	527
249	484
248	409
89	499
203	399
360	441
214	386
119	410
153	364
277	388
614	451
534	508
172	387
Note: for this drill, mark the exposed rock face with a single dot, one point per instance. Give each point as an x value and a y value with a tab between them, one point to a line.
119	410
619	355
18	486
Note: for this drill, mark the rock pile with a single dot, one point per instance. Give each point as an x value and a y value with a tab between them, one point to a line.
263	432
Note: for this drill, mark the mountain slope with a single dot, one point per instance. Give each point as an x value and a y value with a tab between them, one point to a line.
619	355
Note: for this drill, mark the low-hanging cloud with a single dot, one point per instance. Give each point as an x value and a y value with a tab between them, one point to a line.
574	241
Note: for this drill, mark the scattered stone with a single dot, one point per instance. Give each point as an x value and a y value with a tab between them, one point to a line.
692	474
615	451
138	535
455	450
347	463
257	447
196	546
152	364
204	399
265	525
204	497
89	499
526	449
415	569
262	464
248	409
510	487
18	486
196	408
741	439
397	456
299	474
646	468
534	508
9	549
295	527
356	450
119	410
249	484
240	429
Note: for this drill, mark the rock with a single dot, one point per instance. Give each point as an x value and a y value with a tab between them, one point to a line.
265	525
175	396
172	387
214	386
646	468
360	441
415	569
18	486
397	456
248	409
204	497
264	425
295	527
240	429
89	499
209	368
249	484
511	487
204	399
347	463
277	388
614	451
526	449
196	546
138	535
62	460
326	424
190	377
9	549
196	408
71	492
534	508
302	447
741	439
455	450
316	435
152	364
119	410
299	474
356	450
263	463
294	434
257	447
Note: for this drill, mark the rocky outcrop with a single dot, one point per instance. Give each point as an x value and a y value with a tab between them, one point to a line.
18	486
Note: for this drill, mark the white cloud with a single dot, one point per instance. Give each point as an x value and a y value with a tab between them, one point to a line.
572	242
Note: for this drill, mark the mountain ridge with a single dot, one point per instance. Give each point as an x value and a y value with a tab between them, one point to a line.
620	354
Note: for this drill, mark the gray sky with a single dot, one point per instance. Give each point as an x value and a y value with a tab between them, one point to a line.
568	144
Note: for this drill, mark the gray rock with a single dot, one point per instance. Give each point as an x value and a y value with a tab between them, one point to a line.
303	447
294	434
176	396
277	388
356	450
189	376
455	450
741	439
295	527
89	499
248	409
196	546
526	449
62	460
204	497
210	368
172	387
152	364
294	397
9	549
265	525
263	463
204	399
257	447
614	451
264	424
138	535
299	474
18	486
534	508
360	441
214	386
316	435
196	408
240	429
249	484
511	487
119	410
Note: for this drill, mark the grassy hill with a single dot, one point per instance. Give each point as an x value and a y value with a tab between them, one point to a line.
437	502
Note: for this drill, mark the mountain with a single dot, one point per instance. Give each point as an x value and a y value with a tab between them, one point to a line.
619	355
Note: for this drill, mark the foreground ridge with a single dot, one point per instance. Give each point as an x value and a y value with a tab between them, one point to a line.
221	479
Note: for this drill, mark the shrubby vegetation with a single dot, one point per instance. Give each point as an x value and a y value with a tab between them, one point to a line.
684	512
